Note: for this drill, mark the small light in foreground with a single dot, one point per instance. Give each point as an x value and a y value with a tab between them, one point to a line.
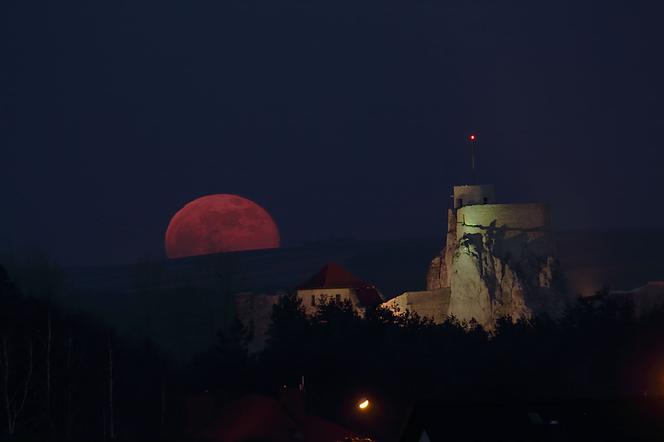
363	405
472	137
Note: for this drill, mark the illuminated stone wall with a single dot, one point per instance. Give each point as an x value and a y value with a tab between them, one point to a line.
510	216
474	194
433	304
521	223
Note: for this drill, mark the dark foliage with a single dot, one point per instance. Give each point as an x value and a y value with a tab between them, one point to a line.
597	349
66	376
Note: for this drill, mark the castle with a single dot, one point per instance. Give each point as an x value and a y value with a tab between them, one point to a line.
335	283
499	260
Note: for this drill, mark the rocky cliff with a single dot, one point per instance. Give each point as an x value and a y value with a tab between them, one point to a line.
438	276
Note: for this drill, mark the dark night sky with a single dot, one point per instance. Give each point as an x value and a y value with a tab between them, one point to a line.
341	118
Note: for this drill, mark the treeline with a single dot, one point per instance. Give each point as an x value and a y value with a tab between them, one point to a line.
598	349
66	376
69	377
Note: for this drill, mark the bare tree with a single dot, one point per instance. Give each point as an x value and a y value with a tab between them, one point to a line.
162	410
69	420
14	401
111	422
49	341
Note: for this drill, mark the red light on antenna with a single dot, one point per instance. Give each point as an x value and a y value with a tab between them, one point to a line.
472	137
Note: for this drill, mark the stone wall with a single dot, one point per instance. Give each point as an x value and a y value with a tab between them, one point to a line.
474	194
510	216
525	223
433	304
437	273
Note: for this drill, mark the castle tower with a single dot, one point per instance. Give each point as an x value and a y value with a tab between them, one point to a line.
470	195
438	275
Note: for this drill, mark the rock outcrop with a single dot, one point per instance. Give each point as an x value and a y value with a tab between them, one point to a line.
438	276
487	285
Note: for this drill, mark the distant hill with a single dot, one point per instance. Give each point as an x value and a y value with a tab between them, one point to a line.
590	261
181	303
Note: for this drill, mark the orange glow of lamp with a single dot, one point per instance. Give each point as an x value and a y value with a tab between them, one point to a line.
363	405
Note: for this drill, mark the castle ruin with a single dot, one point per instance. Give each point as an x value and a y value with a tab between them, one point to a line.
498	261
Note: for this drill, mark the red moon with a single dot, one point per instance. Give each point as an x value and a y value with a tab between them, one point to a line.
220	223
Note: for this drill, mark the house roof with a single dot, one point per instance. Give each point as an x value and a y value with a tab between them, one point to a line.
334	276
257	417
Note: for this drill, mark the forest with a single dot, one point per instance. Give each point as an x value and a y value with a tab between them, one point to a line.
70	376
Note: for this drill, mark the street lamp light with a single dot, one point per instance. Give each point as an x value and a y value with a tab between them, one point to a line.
363	405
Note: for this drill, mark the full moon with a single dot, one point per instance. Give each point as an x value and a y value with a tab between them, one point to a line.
220	223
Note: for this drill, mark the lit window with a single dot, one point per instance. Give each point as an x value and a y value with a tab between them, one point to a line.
313	299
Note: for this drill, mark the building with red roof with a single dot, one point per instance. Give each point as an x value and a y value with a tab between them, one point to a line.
335	283
261	418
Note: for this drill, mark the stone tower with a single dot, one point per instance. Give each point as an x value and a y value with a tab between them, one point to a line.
438	275
473	195
498	260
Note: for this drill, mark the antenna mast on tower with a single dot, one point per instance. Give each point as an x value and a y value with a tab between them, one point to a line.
472	138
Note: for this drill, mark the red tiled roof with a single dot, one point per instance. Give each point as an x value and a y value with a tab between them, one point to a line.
257	417
332	276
